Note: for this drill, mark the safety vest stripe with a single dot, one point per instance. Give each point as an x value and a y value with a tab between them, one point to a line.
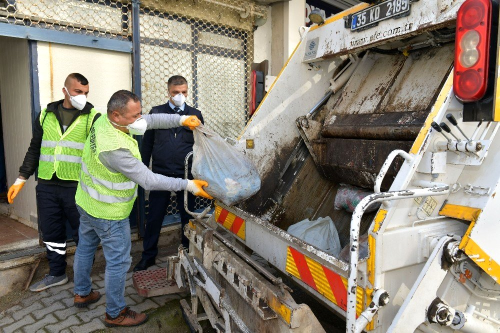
56	244
50	248
105	198
61	158
69	158
47	158
63	143
71	144
112	186
49	144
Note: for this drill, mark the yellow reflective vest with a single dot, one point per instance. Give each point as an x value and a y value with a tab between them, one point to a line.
61	153
102	193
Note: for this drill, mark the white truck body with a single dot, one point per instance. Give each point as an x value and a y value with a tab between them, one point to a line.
346	104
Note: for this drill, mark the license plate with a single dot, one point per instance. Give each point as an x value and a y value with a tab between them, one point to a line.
380	12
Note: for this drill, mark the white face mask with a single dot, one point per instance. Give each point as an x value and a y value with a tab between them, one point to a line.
77	101
138	127
179	99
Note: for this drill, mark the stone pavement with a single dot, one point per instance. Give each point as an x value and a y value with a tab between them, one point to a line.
52	310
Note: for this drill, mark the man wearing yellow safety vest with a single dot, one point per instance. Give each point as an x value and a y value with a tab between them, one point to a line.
111	170
59	135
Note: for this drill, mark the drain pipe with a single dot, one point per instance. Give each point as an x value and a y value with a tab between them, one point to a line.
136	88
354	242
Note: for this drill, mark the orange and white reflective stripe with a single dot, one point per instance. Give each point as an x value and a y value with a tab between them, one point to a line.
230	221
322	279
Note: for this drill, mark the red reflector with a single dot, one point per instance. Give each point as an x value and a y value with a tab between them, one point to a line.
473	14
469	82
472	48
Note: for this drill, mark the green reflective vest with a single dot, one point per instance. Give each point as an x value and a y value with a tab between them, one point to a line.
101	193
62	153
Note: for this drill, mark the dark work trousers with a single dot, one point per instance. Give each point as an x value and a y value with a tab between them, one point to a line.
56	205
158	203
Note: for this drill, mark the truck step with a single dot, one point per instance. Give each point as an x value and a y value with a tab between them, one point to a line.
154	282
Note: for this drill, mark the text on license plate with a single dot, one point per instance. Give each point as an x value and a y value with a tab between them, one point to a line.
379	13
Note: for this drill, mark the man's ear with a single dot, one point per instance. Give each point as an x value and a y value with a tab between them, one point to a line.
115	116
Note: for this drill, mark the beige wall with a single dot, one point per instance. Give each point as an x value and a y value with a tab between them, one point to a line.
263	41
15	97
107	71
296	19
276	40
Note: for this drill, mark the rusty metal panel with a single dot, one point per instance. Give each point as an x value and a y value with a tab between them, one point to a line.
394	83
420	80
357	162
312	196
367	87
393	126
308	191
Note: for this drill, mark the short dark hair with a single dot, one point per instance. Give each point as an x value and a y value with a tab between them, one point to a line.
177	80
77	76
119	100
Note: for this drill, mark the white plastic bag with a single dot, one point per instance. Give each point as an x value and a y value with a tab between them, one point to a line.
321	233
231	176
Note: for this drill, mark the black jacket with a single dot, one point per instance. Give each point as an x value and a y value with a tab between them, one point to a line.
169	147
30	163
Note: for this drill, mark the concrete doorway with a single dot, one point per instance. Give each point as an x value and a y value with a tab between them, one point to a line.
18	230
16	132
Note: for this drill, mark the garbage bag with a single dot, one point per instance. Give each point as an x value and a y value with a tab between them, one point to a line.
321	233
231	176
345	254
348	197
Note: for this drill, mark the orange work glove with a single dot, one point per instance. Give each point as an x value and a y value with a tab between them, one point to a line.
190	121
196	187
14	189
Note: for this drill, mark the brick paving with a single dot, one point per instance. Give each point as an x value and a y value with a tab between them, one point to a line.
52	310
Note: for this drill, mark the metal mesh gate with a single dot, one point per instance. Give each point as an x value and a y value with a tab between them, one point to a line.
100	18
214	57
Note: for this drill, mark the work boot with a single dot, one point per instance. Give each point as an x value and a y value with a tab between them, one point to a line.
126	318
144	264
49	281
84	301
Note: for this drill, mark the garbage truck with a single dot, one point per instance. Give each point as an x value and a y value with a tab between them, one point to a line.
390	107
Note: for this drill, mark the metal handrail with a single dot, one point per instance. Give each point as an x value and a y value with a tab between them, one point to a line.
354	242
385	167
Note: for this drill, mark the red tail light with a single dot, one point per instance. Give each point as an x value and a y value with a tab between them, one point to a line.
472	42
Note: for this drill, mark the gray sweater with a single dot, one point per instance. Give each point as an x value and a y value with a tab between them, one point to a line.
124	162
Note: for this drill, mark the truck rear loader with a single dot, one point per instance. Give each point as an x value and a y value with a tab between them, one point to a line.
397	99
